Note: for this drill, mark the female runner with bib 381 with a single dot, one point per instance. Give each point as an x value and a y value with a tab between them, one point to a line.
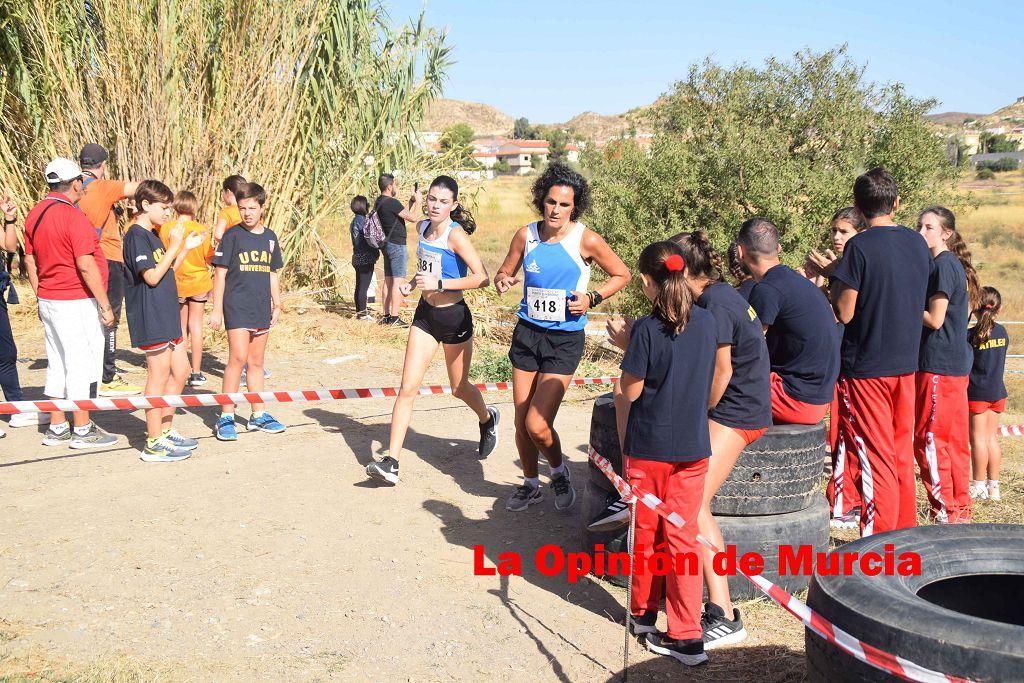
446	265
555	254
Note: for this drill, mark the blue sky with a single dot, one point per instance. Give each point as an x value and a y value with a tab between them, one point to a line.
551	60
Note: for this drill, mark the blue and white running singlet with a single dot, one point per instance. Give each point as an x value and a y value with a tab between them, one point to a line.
436	257
552	272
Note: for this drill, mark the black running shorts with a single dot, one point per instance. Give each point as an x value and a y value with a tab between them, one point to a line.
447	324
535	349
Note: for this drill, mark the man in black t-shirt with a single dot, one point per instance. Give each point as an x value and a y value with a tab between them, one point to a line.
800	329
393	215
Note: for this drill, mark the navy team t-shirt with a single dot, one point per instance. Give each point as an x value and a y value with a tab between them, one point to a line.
986	382
802	342
889	267
152	312
746	287
946	351
669	421
249	259
747	402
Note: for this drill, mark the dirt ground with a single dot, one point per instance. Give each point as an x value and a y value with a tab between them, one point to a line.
274	558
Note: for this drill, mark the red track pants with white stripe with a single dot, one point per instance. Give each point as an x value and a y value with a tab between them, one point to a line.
681	486
942	445
877	421
841	492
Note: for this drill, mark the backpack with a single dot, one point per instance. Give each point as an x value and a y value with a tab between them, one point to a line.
373	231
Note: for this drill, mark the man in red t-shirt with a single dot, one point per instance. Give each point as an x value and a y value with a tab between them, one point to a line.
99	198
68	273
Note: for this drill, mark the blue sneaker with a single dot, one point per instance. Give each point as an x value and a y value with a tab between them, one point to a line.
179	441
226	428
163	451
265	423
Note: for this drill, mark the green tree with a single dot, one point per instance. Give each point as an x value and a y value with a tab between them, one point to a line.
992	143
557	140
522	130
457	140
785	141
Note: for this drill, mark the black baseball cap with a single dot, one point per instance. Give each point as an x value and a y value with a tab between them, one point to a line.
92	155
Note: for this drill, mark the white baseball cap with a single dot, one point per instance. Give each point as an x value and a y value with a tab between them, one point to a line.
61	170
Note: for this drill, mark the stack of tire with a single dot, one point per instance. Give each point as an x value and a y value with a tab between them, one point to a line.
771	498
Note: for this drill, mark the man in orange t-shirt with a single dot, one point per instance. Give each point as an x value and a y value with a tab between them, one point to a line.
101	194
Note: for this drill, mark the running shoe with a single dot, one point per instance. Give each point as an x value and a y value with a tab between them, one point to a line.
226	430
615	515
689	652
524	497
489	433
245	374
385	320
94	438
162	450
28	419
118	387
386	468
3	434
197	379
397	322
52	438
565	494
645	623
718	630
850	520
264	423
179	441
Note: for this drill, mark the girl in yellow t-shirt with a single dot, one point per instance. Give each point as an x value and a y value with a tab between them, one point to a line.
195	285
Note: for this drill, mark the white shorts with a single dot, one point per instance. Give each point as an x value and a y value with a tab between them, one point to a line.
74	347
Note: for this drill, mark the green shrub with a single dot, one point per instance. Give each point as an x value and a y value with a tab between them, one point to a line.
999	165
985	173
490	365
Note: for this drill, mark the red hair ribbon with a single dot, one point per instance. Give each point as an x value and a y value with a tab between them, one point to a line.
674	262
989	307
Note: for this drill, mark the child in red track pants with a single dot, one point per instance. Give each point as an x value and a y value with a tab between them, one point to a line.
877	421
942	445
661	411
681	486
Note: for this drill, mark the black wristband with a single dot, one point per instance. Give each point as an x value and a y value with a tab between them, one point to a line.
595	298
11	221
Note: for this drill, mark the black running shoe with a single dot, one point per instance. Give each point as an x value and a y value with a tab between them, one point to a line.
386	468
718	630
489	433
614	515
645	623
689	652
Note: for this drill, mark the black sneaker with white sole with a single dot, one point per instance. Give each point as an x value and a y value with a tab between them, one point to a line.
643	624
386	468
524	497
489	433
565	494
689	652
718	630
614	515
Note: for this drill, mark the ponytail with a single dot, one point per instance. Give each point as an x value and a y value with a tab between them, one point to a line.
955	243
460	214
737	268
990	301
663	262
701	258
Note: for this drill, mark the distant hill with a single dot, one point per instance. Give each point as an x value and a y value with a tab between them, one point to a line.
952	118
484	119
956	119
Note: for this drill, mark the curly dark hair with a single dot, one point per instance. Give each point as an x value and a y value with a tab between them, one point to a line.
561	174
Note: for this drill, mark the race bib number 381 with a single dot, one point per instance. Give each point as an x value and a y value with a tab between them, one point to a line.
428	262
546	304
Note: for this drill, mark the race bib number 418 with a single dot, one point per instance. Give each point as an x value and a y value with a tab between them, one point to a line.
546	304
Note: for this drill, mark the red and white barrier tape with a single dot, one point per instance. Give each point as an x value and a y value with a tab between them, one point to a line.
1011	430
201	400
854	647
